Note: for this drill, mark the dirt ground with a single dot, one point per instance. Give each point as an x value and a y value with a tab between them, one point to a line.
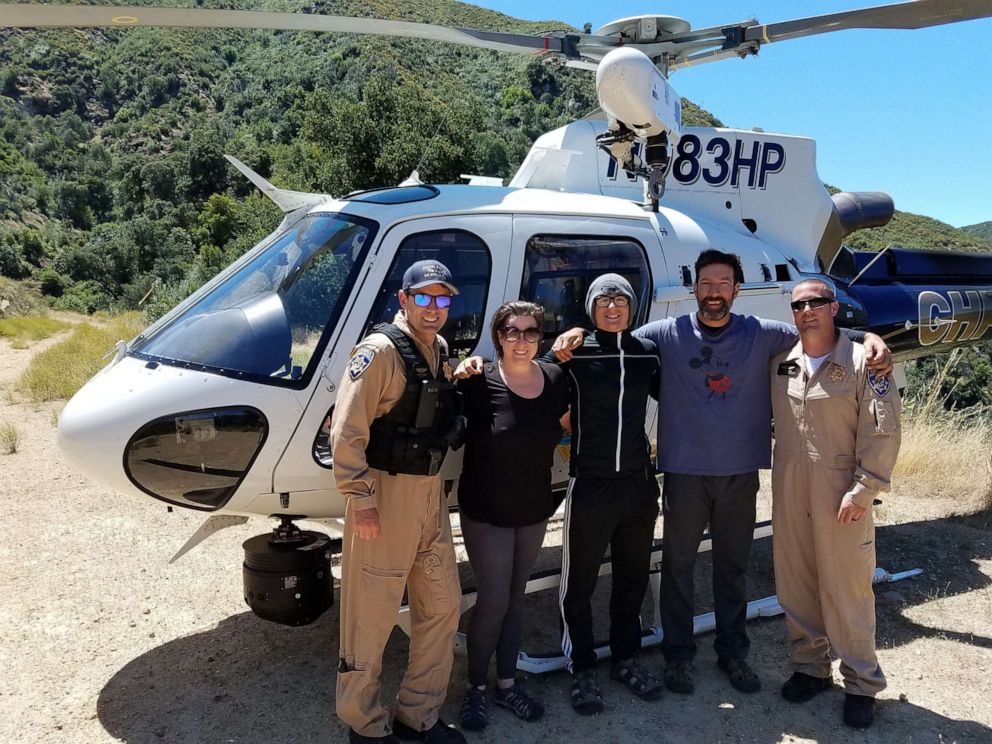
102	640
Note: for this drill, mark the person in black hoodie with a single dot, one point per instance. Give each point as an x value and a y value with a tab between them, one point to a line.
612	497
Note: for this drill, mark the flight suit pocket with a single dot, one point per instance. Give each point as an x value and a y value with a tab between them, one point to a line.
430	591
381	595
885	417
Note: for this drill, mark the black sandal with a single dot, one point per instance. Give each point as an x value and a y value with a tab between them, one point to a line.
586	697
516	699
638	680
474	715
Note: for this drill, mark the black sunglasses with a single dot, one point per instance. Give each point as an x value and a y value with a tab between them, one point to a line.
511	334
815	302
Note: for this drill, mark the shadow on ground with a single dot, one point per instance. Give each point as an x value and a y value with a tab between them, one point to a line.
249	681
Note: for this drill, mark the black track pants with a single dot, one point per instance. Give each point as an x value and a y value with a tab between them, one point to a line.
620	514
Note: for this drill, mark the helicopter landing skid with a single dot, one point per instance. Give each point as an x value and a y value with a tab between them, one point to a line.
539	581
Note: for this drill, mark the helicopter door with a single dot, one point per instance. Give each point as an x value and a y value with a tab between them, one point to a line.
475	249
560	257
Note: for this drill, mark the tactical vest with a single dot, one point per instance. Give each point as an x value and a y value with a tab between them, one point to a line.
410	438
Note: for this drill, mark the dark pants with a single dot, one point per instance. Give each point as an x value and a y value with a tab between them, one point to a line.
690	502
620	514
502	559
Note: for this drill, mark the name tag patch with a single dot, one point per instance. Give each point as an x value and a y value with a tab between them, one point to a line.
788	369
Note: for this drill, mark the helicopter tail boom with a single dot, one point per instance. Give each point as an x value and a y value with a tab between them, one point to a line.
920	302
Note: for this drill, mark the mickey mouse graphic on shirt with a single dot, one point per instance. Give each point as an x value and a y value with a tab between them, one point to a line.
718	383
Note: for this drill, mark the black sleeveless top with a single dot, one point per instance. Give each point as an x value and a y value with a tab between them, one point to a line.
509	449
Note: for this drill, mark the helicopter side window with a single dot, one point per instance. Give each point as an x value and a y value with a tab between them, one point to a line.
467	256
558	270
270	320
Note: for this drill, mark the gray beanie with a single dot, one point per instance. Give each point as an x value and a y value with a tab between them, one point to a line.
609	284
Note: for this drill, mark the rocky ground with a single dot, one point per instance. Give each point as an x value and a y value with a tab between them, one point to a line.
101	639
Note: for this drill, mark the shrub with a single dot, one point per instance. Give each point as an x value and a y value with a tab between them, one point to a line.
58	372
25	328
9	438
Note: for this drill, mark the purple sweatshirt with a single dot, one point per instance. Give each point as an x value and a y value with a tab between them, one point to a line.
714	405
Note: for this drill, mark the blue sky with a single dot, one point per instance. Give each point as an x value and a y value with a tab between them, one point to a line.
907	112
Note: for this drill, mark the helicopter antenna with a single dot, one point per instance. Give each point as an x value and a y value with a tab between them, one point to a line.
427	150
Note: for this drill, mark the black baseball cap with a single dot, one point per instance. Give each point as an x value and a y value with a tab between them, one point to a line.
424	273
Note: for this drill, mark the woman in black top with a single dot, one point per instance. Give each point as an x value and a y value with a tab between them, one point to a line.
513	408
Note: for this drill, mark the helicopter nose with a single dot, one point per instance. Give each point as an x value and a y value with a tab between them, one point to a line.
183	436
93	429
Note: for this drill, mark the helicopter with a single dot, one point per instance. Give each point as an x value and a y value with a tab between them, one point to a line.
223	405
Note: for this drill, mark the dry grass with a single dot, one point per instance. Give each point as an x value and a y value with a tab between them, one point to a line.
58	372
9	438
23	329
950	451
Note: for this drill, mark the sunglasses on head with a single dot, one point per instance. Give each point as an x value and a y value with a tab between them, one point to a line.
511	334
815	302
617	300
422	299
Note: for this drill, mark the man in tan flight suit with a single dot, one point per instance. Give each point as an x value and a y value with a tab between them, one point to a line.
836	441
397	532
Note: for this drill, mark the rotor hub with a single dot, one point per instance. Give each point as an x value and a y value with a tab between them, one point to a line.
645	28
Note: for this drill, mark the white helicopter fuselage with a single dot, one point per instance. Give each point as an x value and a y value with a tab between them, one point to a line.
206	431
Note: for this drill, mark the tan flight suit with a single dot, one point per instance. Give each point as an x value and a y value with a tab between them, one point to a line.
413	550
836	433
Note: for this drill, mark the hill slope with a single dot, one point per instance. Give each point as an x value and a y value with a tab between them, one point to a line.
112	179
982	230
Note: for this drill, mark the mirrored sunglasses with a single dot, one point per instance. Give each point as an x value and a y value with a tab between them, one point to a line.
422	299
815	302
617	300
530	335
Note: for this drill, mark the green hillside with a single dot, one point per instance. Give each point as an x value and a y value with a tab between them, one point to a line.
111	142
908	230
112	180
982	230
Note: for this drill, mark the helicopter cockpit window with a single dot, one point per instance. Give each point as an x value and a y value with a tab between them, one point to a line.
468	259
559	268
196	459
270	320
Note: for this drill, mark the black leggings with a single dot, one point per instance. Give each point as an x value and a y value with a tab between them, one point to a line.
502	559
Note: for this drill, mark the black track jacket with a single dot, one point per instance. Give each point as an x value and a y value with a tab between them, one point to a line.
610	378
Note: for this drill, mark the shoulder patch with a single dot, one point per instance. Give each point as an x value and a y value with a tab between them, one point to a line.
879	384
360	361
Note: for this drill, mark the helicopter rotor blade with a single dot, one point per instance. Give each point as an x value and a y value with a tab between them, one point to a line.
907	15
36	15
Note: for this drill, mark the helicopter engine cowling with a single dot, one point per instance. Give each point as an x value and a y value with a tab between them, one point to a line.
634	93
850	212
